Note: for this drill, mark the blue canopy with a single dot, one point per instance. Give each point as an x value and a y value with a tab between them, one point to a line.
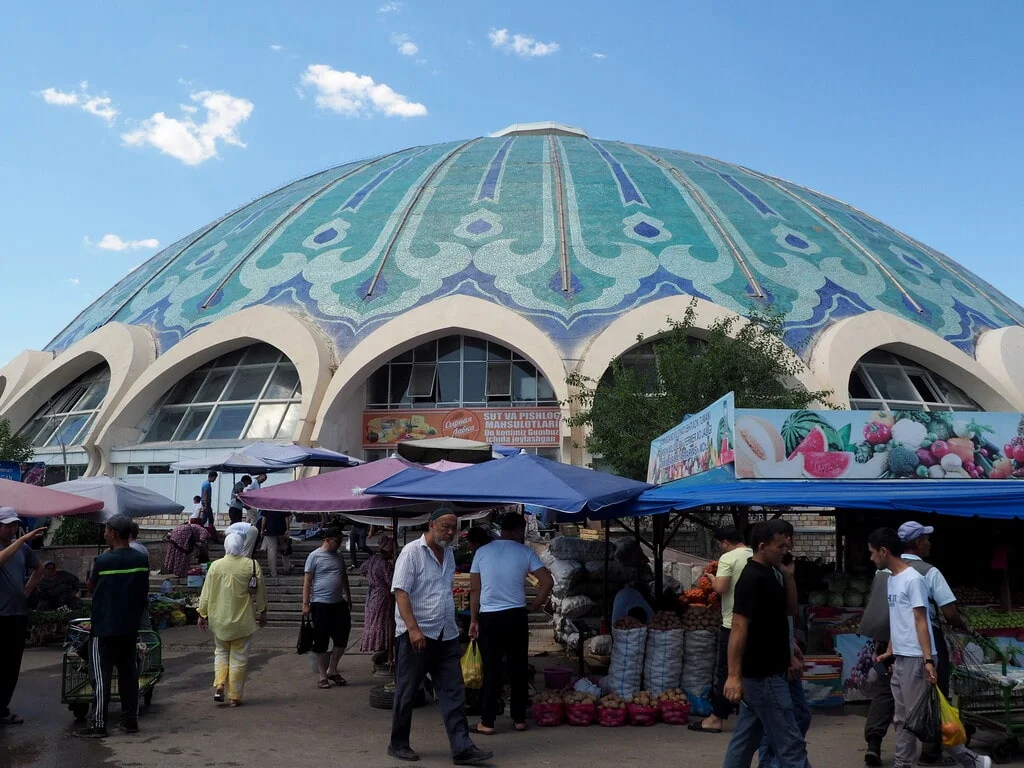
996	499
520	479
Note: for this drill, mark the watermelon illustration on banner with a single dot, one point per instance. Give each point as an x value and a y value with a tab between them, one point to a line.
699	443
868	445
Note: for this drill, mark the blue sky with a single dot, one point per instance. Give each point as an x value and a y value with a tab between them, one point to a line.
126	124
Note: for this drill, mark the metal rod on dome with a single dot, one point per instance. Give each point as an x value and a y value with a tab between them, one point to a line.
563	240
408	212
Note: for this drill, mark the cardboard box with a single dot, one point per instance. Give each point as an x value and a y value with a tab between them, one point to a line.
591	534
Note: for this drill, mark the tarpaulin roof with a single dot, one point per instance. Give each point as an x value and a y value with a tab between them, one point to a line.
521	479
33	501
997	499
302	455
119	497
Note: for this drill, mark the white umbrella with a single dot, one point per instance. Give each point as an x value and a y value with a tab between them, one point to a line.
119	498
232	461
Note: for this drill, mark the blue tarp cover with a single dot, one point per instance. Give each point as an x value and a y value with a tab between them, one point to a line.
521	479
996	499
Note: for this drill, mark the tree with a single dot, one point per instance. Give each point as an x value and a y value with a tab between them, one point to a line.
628	408
14	447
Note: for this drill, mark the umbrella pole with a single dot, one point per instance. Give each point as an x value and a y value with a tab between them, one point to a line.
659	556
604	589
391	614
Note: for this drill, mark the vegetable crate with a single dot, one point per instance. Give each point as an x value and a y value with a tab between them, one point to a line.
988	691
76	684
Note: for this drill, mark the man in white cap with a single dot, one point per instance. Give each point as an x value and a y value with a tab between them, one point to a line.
428	639
18	563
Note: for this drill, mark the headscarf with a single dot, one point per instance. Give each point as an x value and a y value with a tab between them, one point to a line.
233	545
387	547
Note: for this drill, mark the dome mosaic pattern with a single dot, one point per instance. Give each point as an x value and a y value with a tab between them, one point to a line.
565	230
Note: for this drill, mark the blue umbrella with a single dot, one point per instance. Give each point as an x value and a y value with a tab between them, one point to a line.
521	479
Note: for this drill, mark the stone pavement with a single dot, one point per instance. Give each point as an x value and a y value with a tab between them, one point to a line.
286	720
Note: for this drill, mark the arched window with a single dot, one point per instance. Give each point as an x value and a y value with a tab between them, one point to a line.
885	381
251	393
458	372
643	359
67	417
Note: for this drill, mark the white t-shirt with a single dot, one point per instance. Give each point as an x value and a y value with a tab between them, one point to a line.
938	589
907	591
503	566
197	510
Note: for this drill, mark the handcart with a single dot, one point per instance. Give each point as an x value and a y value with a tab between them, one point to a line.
76	683
988	690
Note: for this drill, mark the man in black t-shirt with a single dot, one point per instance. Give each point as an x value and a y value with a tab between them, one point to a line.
120	593
760	656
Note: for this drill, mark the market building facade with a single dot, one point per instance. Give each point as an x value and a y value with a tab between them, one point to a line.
450	289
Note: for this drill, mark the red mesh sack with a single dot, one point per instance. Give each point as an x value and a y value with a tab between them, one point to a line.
675	712
580	714
548	714
611	718
639	715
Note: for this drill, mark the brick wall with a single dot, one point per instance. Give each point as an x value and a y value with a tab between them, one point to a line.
815	537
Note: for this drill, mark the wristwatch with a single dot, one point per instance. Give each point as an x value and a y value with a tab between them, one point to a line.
929	661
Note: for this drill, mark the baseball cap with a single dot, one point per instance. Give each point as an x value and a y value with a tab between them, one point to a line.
911	531
8	516
332	532
121	525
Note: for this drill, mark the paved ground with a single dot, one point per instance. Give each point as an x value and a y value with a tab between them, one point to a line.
287	721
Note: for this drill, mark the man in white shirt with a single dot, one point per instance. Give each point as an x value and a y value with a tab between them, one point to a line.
428	639
911	646
499	618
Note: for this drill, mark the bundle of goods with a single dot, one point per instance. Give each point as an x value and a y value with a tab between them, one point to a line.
548	709
626	670
703	594
611	711
674	707
842	592
643	709
580	708
700	650
663	659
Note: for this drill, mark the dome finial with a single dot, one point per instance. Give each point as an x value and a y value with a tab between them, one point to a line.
541	129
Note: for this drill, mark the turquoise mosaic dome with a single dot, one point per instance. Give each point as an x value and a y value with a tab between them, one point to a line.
568	231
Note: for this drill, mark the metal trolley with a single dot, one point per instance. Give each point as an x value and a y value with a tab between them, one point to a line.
989	692
76	684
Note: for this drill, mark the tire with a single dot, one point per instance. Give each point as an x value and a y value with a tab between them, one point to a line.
381	697
1003	751
80	711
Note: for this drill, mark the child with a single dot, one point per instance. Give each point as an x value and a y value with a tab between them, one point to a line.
197	507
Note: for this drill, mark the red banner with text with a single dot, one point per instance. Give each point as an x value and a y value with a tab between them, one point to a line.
517	427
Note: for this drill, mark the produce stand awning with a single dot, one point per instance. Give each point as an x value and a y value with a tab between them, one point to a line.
119	497
993	499
33	501
521	479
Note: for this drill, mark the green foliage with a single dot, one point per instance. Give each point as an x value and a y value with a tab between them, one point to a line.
14	447
627	410
73	531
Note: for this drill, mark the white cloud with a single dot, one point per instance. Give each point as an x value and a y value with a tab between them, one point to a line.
521	45
405	46
392	7
600	55
101	106
74	280
348	93
191	142
276	48
110	242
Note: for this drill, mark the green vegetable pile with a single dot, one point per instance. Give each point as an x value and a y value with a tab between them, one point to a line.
983	618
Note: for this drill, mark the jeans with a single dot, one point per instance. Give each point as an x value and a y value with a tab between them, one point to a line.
357	542
505	646
107	653
766	755
441	659
767	708
721	707
13	630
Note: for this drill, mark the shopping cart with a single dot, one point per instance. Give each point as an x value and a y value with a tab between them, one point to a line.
76	683
988	690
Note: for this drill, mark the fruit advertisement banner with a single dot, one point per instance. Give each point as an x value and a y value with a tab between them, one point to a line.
516	427
870	445
699	443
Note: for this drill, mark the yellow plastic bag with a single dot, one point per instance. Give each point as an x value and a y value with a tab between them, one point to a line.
953	733
473	666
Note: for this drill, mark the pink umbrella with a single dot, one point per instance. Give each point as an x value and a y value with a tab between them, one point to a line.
338	491
34	501
447	466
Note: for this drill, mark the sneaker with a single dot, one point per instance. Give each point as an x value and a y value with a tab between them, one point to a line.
92	733
403	753
982	761
873	754
472	756
129	726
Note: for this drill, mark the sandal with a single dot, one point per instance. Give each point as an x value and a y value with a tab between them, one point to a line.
12	719
323	684
519	726
218	695
476	729
337	679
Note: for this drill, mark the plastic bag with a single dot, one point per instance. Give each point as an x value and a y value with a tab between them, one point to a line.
626	670
548	714
923	720
953	732
473	666
675	712
641	715
582	713
611	718
663	660
305	642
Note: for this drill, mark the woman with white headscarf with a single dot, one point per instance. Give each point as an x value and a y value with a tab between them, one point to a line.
233	595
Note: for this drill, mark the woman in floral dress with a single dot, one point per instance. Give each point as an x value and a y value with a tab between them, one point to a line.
181	543
379	570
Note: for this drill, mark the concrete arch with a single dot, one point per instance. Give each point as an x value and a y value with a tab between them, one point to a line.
650	320
307	349
839	348
20	371
454	314
127	350
1001	353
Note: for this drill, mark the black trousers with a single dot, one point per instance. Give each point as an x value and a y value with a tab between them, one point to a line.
505	647
721	707
106	654
13	630
441	659
357	542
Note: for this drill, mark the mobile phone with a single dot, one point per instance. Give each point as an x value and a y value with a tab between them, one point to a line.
787	559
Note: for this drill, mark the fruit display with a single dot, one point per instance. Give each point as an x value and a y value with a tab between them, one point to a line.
628	622
674	707
611	711
841	591
703	593
983	618
664	621
973	596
